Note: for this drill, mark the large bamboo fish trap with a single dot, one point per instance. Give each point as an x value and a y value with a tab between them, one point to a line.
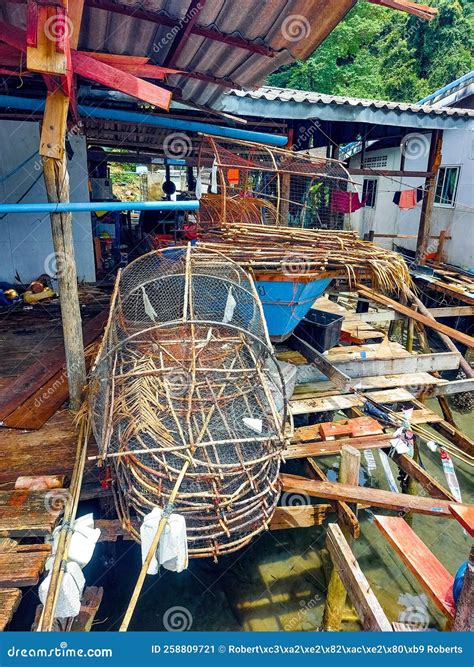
186	373
249	183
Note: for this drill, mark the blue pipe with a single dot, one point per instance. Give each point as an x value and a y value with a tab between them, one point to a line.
74	207
30	104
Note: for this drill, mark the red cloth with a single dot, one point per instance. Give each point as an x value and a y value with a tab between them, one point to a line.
345	202
408	198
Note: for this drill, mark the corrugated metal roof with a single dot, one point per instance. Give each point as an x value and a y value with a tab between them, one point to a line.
271	93
291	28
273	102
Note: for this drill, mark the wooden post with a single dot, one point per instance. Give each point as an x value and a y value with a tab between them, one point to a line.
285	187
56	180
434	161
336	595
464	620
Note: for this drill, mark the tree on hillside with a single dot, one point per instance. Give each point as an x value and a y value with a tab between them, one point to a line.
378	53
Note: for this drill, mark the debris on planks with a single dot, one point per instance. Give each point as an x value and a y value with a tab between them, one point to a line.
431	574
357	427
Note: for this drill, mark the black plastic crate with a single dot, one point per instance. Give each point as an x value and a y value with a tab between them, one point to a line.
320	329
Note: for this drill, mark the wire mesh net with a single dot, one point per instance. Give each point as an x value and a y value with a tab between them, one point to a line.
186	373
257	184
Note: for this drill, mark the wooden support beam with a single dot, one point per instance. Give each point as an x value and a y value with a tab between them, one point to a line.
179	42
451	311
75	12
358	589
422	11
367	496
434	161
333	447
347	517
432	575
301	516
336	594
419	317
419	474
47	24
109	76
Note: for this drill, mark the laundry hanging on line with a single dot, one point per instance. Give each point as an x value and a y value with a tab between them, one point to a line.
346	202
407	199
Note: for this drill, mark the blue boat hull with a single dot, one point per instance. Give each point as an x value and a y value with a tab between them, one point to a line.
286	302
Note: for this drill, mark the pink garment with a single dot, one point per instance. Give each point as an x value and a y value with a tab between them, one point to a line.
408	199
345	202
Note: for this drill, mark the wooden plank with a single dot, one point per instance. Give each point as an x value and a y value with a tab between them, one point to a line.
427	481
465	515
454	387
426	321
90	604
303	516
9	601
26	450
32	514
346	516
39	373
358	589
45	57
372	382
339	379
422	563
75	12
334	403
371	497
21	569
53	128
109	76
452	311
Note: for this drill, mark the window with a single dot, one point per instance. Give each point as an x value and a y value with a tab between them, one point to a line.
369	192
446	186
375	162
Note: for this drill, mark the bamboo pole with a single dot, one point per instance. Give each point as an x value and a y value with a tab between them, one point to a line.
336	595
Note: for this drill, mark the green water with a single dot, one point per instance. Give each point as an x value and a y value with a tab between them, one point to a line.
278	583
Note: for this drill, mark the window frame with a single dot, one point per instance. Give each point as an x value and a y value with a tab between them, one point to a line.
444	169
375	193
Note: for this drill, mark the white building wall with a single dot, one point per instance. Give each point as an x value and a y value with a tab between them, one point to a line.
458	221
26	246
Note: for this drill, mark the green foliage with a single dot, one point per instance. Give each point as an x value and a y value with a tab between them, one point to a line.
380	53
